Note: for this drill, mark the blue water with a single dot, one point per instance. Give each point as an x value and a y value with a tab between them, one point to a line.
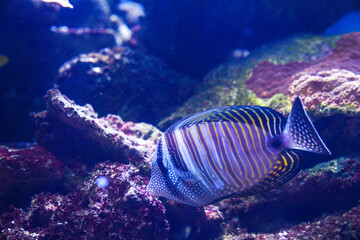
349	23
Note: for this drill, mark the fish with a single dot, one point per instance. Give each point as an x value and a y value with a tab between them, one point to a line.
232	151
3	60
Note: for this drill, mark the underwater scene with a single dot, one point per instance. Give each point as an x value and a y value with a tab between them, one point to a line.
180	119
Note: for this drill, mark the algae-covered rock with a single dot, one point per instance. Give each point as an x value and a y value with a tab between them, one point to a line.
233	83
323	71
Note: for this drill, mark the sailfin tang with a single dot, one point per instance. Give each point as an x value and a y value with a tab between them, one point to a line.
300	133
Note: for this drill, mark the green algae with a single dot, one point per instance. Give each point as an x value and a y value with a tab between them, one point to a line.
327	110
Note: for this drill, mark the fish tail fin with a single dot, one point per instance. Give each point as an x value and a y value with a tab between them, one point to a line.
300	133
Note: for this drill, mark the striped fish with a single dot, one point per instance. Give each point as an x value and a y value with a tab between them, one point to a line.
230	152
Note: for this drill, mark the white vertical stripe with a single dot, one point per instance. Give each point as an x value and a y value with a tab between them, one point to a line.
184	151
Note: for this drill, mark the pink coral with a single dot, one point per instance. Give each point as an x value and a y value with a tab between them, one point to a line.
334	81
328	87
329	81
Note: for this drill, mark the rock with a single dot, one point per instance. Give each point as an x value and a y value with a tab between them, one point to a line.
126	82
73	132
29	171
321	201
187	222
323	71
123	210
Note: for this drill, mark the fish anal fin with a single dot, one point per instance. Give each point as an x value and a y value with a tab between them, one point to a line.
287	166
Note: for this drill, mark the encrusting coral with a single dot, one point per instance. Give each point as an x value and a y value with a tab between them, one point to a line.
327	85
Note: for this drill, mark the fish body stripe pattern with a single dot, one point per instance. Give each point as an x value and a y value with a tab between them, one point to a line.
231	151
226	149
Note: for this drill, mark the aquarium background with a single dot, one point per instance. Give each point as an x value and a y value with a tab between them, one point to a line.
149	64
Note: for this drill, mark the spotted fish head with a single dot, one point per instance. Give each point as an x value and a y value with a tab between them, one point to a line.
167	181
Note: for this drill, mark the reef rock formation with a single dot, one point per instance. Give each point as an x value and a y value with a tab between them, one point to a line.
122	210
124	81
28	171
319	203
72	131
329	84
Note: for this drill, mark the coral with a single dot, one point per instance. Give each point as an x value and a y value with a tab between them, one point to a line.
123	210
121	34
327	85
28	171
69	130
124	81
322	200
291	68
328	91
62	3
332	84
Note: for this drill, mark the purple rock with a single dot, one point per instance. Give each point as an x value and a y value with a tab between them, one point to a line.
319	203
123	210
72	132
28	171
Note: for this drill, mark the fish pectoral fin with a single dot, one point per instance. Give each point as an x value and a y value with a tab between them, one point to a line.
300	133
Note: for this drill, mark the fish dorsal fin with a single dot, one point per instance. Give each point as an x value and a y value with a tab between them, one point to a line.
287	166
263	117
300	133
